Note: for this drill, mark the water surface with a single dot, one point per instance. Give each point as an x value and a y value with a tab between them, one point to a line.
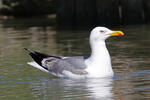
18	81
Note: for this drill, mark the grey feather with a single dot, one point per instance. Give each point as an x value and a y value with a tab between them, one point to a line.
76	65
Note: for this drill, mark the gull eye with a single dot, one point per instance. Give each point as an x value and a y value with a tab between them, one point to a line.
102	31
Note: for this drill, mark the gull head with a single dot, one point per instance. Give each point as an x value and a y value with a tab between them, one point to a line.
102	33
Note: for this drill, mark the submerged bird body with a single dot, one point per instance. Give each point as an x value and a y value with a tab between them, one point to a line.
95	66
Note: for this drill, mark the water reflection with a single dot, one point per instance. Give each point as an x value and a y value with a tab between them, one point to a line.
101	88
97	89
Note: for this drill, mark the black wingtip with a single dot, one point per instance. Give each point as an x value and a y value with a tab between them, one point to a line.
38	57
30	51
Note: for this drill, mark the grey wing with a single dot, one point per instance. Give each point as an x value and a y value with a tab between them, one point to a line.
75	65
78	62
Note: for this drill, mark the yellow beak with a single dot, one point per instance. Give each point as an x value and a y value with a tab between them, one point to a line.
116	33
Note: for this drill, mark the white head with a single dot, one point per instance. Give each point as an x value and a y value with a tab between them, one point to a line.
102	33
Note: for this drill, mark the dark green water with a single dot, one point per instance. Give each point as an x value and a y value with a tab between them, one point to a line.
18	81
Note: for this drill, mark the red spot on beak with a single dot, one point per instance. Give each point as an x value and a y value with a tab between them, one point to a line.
119	34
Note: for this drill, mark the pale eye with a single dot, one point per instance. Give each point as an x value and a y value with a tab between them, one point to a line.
102	31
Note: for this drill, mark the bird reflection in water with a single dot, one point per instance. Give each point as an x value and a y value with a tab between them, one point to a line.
86	89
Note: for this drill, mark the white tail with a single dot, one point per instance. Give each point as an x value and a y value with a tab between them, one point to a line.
34	64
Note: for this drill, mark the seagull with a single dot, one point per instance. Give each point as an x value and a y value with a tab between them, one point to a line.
97	65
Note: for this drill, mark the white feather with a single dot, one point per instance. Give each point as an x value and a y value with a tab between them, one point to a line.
34	64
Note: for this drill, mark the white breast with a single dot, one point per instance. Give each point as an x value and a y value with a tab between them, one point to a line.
99	63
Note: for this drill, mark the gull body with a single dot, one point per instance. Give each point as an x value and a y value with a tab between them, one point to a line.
97	65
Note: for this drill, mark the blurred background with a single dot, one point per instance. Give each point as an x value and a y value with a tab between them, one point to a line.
80	13
62	27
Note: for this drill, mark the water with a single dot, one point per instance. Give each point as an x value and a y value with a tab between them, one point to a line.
18	81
